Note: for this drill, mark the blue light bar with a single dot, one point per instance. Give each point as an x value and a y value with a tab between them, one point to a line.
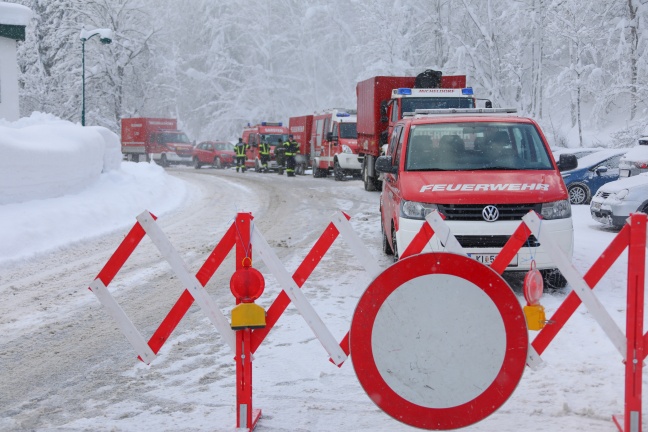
404	91
467	91
343	114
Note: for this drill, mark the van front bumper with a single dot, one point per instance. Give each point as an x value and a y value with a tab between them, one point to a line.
472	234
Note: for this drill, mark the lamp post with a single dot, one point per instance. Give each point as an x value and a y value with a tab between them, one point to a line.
105	36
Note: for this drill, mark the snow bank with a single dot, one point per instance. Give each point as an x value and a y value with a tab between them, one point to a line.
46	157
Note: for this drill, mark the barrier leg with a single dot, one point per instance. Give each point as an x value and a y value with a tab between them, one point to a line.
246	416
631	419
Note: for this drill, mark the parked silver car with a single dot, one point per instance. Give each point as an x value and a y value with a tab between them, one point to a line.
614	201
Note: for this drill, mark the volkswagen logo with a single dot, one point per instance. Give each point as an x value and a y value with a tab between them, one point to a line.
490	213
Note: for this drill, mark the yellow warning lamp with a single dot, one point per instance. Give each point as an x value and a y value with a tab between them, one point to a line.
247	285
533	288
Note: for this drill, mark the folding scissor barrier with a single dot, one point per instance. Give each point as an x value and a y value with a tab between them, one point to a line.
243	236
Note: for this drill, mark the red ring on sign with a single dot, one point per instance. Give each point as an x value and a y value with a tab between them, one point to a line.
492	284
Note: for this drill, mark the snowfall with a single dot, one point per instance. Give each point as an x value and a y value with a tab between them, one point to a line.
63	184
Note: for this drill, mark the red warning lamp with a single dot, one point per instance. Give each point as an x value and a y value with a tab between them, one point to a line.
533	288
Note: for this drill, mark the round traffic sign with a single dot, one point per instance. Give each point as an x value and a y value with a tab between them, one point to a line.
439	341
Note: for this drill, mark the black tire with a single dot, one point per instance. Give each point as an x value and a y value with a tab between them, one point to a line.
579	194
337	172
196	163
318	172
394	245
385	242
369	183
553	279
163	161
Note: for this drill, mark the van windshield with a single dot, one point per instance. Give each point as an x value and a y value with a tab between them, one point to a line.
174	137
273	139
476	146
348	130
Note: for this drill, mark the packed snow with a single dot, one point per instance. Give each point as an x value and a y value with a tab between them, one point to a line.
578	388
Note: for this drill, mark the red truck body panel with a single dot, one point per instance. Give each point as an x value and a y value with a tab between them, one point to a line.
135	131
301	129
371	93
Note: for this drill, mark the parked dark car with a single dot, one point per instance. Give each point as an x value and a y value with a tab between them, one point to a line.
593	171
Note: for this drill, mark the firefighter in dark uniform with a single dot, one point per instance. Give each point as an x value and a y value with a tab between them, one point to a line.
264	152
292	149
240	148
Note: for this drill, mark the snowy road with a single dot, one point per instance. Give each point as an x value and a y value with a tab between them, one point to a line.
65	366
59	347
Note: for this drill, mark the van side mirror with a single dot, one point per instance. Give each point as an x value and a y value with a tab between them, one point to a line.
329	136
488	104
567	162
384	165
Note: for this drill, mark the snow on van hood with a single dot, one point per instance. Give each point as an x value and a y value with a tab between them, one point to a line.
482	187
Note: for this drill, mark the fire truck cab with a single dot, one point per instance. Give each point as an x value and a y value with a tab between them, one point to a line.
334	144
271	133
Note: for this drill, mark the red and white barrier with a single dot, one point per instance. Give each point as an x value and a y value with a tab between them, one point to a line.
243	236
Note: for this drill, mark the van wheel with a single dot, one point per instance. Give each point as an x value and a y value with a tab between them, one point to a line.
385	242
337	171
394	245
196	163
317	172
217	163
553	279
163	161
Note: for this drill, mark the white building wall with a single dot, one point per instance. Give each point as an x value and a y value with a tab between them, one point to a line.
9	108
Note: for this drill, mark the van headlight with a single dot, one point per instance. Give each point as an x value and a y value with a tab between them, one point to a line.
416	210
556	210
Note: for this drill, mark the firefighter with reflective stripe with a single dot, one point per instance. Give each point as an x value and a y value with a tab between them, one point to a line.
264	152
292	149
240	149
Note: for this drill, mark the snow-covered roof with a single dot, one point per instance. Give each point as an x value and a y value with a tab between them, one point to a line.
102	32
14	14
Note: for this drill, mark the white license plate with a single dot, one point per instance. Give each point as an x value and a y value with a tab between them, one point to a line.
624	173
596	206
488	259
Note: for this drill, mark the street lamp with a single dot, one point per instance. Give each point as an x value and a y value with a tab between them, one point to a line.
105	36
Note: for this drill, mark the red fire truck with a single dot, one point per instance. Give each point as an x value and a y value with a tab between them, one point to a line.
301	129
271	133
382	101
334	144
155	139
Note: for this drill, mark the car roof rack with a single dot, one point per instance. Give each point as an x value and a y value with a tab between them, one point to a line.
438	111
